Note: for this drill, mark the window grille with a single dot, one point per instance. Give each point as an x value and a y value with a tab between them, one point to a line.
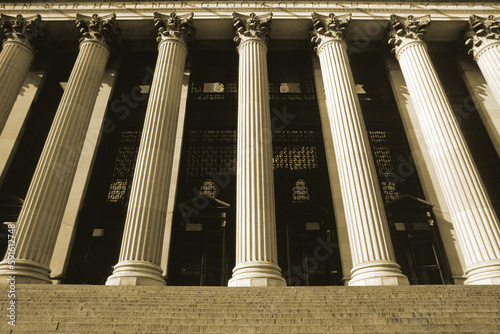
295	150
123	171
300	191
208	188
381	142
210	151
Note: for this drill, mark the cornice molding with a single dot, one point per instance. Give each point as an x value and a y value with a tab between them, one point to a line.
131	10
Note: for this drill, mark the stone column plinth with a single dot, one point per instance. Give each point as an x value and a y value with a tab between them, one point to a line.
371	248
484	42
43	208
256	245
16	57
473	218
140	255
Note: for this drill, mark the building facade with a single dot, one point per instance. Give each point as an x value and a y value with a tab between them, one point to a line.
250	143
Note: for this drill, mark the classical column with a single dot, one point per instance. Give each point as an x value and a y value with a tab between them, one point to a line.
140	255
76	198
484	42
41	215
256	248
372	253
21	37
473	218
483	38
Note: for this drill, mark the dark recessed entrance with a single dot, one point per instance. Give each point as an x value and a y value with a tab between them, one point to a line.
202	249
417	244
308	248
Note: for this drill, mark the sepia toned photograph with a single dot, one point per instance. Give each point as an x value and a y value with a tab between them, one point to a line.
250	166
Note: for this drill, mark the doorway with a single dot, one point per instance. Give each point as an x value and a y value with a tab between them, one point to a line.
417	244
308	249
204	246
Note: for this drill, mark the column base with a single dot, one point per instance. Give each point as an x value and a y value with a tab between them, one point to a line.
258	274
377	273
24	272
136	273
485	273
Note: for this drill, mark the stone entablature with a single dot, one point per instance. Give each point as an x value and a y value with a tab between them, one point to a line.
365	9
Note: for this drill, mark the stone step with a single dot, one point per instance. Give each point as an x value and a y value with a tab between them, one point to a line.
444	316
317	309
208	304
255	328
413	289
126	309
84	305
254	300
280	321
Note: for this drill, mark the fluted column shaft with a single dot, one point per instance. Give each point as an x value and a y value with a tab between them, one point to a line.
483	38
41	215
473	217
140	254
371	248
256	245
372	253
489	63
15	61
21	36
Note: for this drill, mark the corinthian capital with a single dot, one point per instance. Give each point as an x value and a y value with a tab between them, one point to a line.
251	27
95	28
28	31
327	28
483	32
173	26
406	30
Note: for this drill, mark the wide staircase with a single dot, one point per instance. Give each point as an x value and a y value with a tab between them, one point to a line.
129	309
